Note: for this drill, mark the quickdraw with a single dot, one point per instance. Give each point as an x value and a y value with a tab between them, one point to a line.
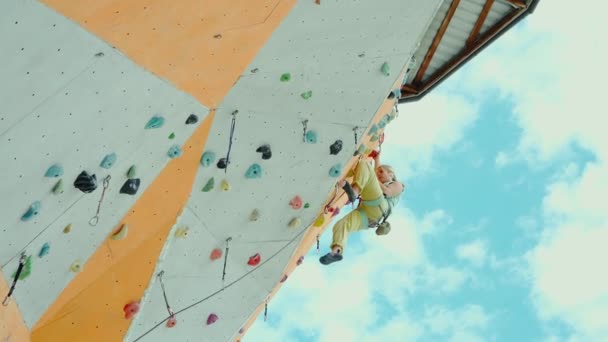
7	299
95	219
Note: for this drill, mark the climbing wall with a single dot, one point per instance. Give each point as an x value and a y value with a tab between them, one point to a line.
267	166
74	104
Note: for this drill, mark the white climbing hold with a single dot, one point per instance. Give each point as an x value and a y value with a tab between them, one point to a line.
181	232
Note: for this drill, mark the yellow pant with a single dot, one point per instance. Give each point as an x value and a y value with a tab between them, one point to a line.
365	178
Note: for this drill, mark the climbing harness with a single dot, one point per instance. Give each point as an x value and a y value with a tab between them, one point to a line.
232	125
225	259
95	219
162	286
7	299
305	128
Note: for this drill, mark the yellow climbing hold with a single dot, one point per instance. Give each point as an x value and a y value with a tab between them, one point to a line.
225	186
67	228
76	266
181	232
255	215
121	233
319	221
295	222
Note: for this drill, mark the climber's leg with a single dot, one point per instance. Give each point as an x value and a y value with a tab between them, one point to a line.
352	222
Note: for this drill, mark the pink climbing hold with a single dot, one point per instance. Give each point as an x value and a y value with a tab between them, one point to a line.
254	260
131	309
215	254
296	202
335	212
300	261
171	322
284	278
212	319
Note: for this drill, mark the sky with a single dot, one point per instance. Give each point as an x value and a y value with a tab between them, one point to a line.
501	232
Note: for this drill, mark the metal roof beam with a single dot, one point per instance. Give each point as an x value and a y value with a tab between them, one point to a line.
517	3
480	20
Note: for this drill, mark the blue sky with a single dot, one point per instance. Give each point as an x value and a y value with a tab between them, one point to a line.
502	228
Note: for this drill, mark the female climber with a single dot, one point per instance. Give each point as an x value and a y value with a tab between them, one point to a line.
380	192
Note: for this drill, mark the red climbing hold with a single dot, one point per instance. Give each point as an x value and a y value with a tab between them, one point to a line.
300	261
215	254
331	210
335	212
373	154
296	202
171	322
131	309
254	260
212	319
284	278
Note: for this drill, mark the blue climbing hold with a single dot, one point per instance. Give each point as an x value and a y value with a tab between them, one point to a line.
386	69
31	211
55	170
108	161
208	158
175	151
155	122
382	123
335	170
254	171
44	250
373	130
311	137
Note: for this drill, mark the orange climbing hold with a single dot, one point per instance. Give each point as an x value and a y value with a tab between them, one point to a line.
296	202
215	254
131	309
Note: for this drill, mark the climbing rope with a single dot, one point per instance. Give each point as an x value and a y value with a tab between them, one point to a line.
162	286
232	125
7	299
95	219
305	125
225	259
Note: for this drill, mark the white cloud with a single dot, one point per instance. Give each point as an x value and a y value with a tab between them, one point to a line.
465	324
502	159
474	252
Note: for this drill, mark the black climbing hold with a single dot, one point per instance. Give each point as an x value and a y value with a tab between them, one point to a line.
130	187
336	147
265	151
221	164
99	54
85	182
391	95
192	119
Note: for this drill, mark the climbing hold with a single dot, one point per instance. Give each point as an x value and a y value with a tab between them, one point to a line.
386	69
335	212
221	164
296	202
265	151
306	205
171	322
311	137
58	187
209	186
393	114
131	309
254	171
372	130
54	171
319	221
121	233
391	95
254	260
359	150
335	170
215	254
192	119
130	187
132	171
181	232
285	77
27	269
208	158
108	161
300	260
336	147
306	95
374	138
295	222
172	135
44	250
255	215
31	211
241	331
212	319
155	122
67	228
225	186
85	182
284	278
174	151
382	123
76	266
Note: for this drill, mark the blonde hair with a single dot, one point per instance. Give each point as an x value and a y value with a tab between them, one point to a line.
391	170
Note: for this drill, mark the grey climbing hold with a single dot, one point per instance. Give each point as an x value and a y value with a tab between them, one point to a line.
265	151
130	187
306	95
44	250
373	130
174	151
221	164
209	186
311	137
132	172
254	171
58	188
255	215
31	211
55	171
85	182
208	158
155	122
336	147
386	69
192	119
285	77
335	170
108	161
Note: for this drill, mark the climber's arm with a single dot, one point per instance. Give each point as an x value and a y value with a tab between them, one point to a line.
393	189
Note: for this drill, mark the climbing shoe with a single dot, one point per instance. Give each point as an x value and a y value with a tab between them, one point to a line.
330	258
349	192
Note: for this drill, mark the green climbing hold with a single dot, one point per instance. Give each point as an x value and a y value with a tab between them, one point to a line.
312	137
155	122
108	161
386	69
54	171
172	135
132	172
174	151
335	170
306	205
208	158
285	77
254	171
58	188
31	211
209	186
27	269
306	95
